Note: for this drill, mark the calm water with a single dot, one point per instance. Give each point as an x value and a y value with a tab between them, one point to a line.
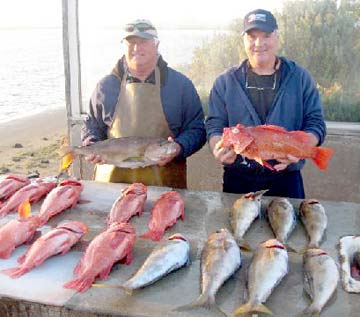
32	70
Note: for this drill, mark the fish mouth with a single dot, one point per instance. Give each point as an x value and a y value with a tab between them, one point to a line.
177	237
72	182
275	246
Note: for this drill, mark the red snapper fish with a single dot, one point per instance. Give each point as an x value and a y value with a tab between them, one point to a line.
109	247
130	203
65	195
270	142
18	231
33	191
12	183
167	209
58	240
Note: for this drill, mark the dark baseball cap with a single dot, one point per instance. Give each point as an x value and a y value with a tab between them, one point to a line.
140	28
260	19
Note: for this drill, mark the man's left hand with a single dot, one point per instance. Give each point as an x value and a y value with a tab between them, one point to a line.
164	160
285	162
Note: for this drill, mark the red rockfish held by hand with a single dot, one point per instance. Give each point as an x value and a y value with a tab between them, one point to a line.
107	248
33	191
12	183
58	240
130	203
270	142
65	195
167	209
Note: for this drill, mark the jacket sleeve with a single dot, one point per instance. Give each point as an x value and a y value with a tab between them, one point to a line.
313	119
94	128
192	134
217	117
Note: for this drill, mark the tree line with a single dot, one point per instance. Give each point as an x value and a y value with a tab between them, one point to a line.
320	35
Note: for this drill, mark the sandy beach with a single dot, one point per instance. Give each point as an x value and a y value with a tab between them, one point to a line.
31	144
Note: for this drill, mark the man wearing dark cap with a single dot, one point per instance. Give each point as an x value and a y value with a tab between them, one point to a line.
264	89
144	97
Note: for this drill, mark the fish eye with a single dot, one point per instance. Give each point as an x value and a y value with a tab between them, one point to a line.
235	130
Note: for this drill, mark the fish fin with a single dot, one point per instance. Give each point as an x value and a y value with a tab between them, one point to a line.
268	165
290	248
80	284
322	157
83	201
153	235
243	245
312	310
35	236
22	258
66	161
308	289
16	271
249	307
275	128
24	209
105	272
203	301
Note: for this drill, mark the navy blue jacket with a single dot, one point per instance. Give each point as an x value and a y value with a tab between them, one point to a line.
296	105
180	101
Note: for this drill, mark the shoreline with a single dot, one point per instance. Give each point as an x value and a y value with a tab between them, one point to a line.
38	138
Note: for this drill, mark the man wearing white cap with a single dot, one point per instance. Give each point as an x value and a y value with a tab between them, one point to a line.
144	97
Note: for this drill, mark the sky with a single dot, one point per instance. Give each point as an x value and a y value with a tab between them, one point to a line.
48	13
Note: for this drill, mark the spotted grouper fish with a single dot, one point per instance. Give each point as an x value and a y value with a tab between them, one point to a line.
130	203
270	142
165	212
57	240
112	245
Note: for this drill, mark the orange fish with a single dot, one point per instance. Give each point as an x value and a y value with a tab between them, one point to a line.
270	142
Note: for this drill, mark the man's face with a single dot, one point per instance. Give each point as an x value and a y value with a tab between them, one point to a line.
261	47
140	52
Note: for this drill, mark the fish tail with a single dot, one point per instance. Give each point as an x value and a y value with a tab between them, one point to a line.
251	307
80	284
203	301
68	155
153	235
322	157
312	309
290	248
16	271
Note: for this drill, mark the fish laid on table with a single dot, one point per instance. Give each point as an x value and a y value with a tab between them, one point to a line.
313	216
270	142
349	249
282	218
321	276
244	212
65	195
220	259
18	231
165	212
107	248
33	191
126	152
58	240
130	203
169	255
12	183
268	267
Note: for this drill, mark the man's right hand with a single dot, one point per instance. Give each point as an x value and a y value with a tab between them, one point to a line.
94	159
225	155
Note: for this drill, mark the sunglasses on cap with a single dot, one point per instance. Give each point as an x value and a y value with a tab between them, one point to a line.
141	27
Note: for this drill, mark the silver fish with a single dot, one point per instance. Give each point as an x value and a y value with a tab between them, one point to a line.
127	152
349	249
314	218
168	256
282	218
321	277
268	267
220	259
244	212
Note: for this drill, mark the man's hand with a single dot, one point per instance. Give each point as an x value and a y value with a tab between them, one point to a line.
92	158
285	162
224	155
164	160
